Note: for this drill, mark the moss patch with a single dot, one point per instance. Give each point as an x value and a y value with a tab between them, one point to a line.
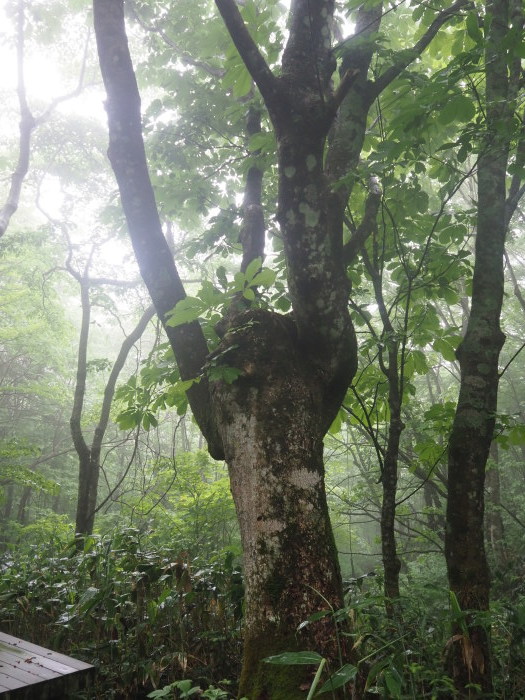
263	681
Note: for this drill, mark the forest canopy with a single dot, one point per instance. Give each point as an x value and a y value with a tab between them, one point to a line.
262	432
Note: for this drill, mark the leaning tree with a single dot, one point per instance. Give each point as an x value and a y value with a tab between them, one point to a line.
294	369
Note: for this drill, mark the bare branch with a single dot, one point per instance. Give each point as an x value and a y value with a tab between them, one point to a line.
128	342
28	122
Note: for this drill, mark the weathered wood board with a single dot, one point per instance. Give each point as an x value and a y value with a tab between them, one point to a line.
30	672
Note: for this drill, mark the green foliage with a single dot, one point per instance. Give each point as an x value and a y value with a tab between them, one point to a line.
143	617
190	497
292	658
158	386
186	689
13	454
211	303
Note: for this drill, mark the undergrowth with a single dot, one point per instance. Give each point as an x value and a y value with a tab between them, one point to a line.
142	617
154	621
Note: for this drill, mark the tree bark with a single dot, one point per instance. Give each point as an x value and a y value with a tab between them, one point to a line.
89	455
271	422
478	354
493	521
295	370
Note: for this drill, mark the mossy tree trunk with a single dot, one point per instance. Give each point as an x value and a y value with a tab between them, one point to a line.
478	356
269	424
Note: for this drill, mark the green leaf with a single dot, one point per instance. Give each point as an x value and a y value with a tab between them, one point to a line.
459	108
473	29
393	683
265	278
428	451
253	268
186	310
459	615
223	373
295	658
129	419
519	50
450	296
314	617
262	141
375	670
445	348
517	435
345	674
336	424
420	361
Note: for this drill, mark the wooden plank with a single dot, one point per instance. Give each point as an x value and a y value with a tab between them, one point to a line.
27	670
31	672
7	683
13	654
42	651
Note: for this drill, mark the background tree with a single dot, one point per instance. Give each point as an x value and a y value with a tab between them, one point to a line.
478	353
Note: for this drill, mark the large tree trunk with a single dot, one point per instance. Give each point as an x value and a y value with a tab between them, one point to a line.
271	422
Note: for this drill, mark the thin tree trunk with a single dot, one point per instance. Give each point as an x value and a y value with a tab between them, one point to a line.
22	505
389	474
89	456
478	354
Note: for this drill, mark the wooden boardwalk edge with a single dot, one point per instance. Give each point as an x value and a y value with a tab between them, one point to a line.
32	672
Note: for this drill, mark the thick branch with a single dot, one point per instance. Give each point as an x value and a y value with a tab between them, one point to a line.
128	159
308	57
252	229
248	50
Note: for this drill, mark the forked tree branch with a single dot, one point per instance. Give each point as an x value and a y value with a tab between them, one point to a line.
249	51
